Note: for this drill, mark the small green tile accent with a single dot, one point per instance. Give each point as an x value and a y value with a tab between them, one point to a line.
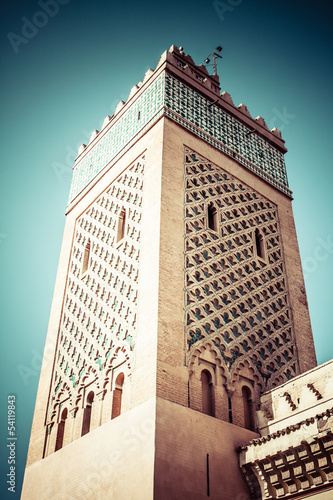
120	136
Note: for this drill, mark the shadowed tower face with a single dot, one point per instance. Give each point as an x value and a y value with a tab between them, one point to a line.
237	299
179	298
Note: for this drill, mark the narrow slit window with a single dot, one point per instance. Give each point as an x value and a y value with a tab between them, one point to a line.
61	430
117	396
212	218
86	255
260	248
230	409
121	225
207	470
87	414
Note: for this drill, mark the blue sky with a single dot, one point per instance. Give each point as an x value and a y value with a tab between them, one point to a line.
64	71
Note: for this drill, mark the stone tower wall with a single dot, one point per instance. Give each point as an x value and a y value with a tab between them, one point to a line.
262	338
88	342
179	289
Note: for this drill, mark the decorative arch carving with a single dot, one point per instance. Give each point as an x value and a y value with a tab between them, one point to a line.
64	396
91	376
120	356
247	370
206	355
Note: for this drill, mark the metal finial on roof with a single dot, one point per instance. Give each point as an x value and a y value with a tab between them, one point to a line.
214	54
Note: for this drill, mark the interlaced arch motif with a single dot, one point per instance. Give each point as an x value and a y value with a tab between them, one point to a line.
235	297
98	323
210	347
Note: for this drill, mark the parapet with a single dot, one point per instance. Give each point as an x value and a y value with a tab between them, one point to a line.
186	93
292	455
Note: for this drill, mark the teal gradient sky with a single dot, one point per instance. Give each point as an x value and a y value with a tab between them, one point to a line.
60	85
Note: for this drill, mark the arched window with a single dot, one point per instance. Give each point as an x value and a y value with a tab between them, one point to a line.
248	408
212	217
260	247
207	389
61	430
117	395
121	225
87	414
85	263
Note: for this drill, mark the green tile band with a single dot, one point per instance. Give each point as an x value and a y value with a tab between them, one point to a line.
167	95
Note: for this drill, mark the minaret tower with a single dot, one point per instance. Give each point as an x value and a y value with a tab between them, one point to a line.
179	299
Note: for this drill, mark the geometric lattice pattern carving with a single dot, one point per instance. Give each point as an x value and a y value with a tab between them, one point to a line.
236	293
226	133
295	470
100	306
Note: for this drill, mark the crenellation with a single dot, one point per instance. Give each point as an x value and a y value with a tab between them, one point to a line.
227	97
261	122
93	135
252	150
